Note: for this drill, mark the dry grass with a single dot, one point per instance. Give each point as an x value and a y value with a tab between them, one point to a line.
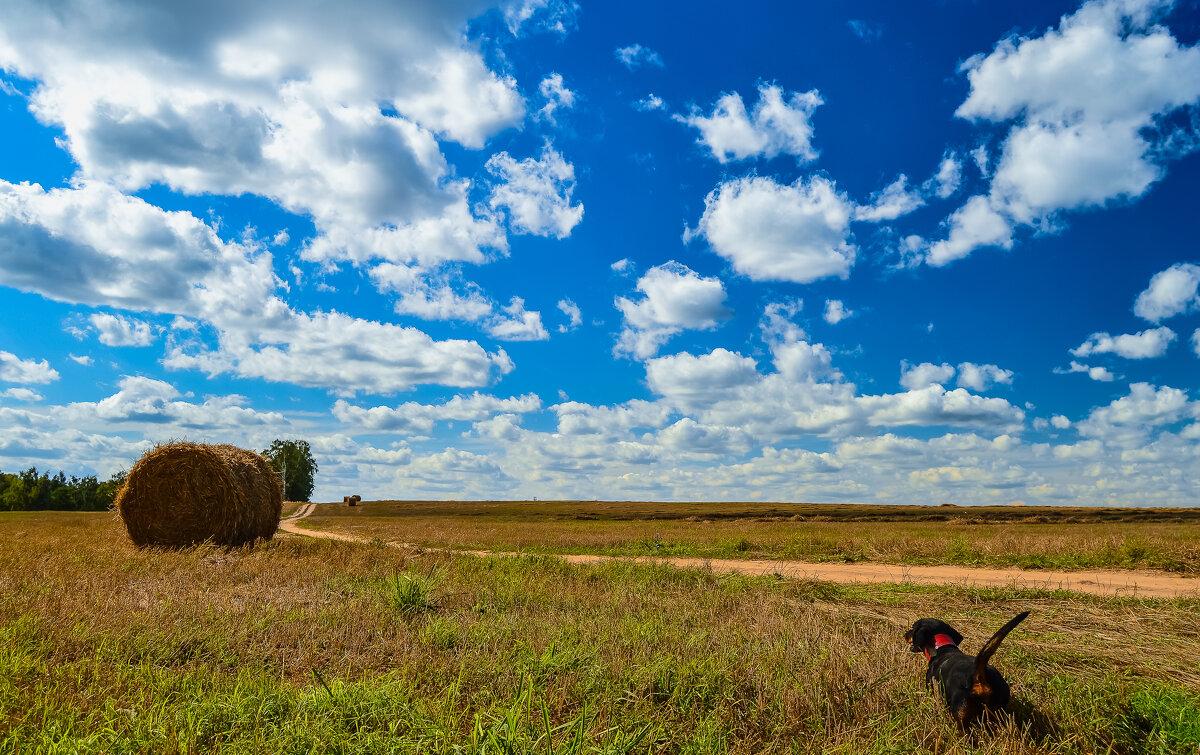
303	645
997	536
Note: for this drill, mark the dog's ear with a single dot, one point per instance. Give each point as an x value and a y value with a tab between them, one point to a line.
920	636
954	635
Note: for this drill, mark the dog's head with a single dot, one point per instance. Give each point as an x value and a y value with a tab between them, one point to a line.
923	631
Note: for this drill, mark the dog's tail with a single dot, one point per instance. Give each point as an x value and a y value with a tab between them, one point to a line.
992	645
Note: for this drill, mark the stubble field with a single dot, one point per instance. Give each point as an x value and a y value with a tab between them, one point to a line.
302	645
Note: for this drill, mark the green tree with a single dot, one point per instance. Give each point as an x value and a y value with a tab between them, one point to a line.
294	462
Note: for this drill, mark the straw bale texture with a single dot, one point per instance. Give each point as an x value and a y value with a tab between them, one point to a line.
182	494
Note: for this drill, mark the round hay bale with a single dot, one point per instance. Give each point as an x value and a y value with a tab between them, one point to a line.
181	494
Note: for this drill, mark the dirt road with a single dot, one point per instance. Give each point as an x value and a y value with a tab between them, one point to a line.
1141	584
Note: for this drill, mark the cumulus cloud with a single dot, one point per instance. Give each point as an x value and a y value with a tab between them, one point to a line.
1146	406
947	179
147	401
917	376
1174	291
515	323
835	311
422	296
982	377
115	330
675	298
573	314
1147	344
633	56
650	102
1082	98
536	193
778	125
895	200
289	110
977	377
556	95
1099	374
414	417
976	224
94	245
770	231
21	394
13	369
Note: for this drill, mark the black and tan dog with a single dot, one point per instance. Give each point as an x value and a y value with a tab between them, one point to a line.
968	683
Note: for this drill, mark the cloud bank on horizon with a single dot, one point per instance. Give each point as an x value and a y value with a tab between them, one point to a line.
481	250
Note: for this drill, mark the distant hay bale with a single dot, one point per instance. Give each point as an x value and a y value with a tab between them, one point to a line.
355	499
346	499
181	494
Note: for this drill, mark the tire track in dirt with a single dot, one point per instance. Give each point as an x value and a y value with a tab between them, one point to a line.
1141	584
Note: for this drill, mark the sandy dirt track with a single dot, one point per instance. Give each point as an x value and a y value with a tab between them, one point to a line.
1142	584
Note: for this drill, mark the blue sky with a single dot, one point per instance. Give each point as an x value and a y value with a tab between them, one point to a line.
938	252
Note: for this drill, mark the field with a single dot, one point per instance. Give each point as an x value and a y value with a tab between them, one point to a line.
303	645
1027	537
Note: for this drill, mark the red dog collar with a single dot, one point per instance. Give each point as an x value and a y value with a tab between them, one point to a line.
940	641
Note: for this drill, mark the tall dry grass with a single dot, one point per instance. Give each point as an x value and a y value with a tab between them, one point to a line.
304	645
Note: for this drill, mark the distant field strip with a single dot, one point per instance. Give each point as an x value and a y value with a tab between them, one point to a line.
1095	582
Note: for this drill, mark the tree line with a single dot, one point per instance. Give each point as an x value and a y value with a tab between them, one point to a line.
40	491
34	491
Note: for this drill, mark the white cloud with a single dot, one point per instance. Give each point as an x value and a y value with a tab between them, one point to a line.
344	354
770	231
1148	344
690	379
1099	374
1174	291
917	376
776	126
92	245
650	102
896	200
947	179
835	311
414	417
557	16
1196	341
981	377
574	315
635	55
976	224
556	95
22	394
85	360
537	193
299	105
13	369
1060	422
1145	406
146	401
676	298
624	266
1081	98
517	324
429	299
115	330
